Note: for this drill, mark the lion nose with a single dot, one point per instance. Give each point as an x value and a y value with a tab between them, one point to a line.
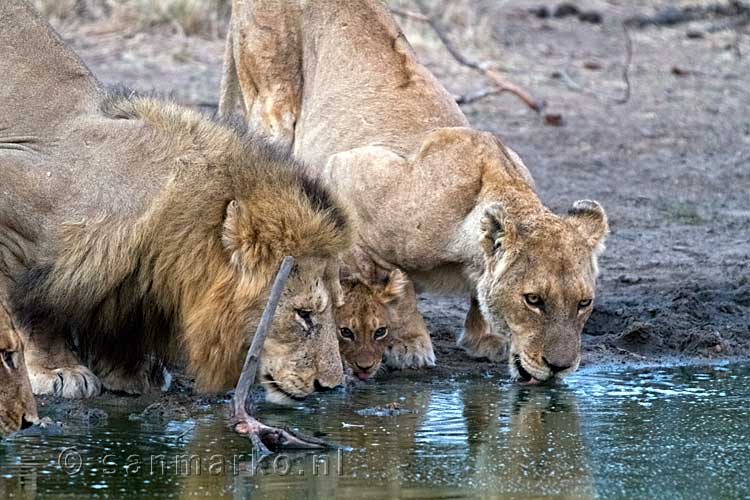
322	387
365	368
555	368
26	423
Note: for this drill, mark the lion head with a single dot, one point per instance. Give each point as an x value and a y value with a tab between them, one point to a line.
364	319
283	214
17	405
300	355
539	280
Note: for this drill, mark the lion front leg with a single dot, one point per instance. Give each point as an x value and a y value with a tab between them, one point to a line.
52	367
410	345
54	370
477	338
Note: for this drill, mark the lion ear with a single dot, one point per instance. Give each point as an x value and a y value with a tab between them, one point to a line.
395	286
230	235
333	276
589	218
498	230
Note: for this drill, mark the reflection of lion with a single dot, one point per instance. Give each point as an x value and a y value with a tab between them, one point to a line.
17	405
451	206
527	440
132	231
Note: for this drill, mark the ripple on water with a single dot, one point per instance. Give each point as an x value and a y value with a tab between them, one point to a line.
656	433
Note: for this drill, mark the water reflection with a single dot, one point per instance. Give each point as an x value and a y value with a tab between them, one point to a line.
643	433
527	442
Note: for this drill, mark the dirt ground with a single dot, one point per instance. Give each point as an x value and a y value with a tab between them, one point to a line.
671	165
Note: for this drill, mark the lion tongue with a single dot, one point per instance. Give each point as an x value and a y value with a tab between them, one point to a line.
362	375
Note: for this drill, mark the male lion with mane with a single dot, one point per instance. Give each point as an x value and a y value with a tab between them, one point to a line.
135	232
452	206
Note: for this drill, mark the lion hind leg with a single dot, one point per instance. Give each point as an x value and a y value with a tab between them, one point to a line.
477	338
263	68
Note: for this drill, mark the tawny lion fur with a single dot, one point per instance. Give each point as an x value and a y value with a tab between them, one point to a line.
144	233
370	308
452	206
17	405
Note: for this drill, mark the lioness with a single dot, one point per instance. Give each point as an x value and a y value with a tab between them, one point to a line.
450	205
17	405
137	232
364	319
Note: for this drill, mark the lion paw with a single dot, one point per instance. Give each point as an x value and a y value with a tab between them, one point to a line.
492	347
416	353
74	382
142	382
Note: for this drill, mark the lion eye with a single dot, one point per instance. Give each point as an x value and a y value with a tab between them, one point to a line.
533	300
584	304
347	333
381	333
9	359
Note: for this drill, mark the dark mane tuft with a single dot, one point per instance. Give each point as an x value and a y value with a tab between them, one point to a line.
321	199
111	105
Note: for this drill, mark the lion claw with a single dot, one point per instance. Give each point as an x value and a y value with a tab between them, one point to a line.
74	382
401	355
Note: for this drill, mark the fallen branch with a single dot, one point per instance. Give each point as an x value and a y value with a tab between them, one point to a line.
672	16
501	85
477	95
626	67
410	15
573	85
263	437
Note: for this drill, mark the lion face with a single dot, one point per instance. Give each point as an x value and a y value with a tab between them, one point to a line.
539	280
17	405
301	354
364	320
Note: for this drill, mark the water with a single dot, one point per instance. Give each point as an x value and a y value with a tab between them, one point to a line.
638	433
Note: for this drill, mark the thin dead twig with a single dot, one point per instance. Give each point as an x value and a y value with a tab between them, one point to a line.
626	67
410	15
477	95
577	87
630	353
501	84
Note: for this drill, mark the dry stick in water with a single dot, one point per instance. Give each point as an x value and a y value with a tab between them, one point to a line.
500	85
263	436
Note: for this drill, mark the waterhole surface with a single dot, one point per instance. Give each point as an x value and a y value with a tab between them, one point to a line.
638	433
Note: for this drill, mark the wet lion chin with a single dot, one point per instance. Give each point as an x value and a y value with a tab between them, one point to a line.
276	394
524	377
363	375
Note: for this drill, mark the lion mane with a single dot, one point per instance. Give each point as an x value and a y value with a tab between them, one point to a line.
130	290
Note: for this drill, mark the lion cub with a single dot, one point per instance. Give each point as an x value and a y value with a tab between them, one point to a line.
364	319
